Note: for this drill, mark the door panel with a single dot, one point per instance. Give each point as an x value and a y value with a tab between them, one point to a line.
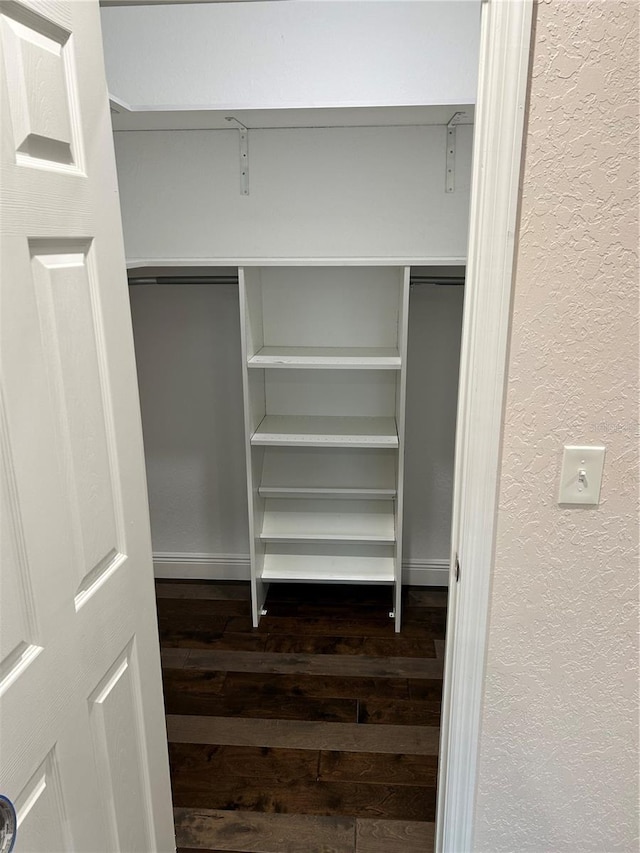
67	296
117	725
18	628
41	812
82	740
41	76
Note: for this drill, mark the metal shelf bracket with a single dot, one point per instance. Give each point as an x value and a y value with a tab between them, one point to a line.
450	176
244	154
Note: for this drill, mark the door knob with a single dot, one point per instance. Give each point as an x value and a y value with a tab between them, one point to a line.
8	825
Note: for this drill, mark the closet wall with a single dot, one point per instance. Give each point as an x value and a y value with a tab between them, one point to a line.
187	341
316	192
347	160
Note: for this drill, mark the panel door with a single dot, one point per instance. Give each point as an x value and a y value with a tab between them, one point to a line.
83	751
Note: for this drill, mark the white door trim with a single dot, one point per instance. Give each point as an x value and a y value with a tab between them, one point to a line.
497	156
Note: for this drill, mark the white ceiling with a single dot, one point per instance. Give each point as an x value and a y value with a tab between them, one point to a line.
293	56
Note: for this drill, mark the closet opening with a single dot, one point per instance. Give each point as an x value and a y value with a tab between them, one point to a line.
323	721
296	283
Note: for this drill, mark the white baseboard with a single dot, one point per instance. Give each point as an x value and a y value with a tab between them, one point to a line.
186	566
235	567
425	572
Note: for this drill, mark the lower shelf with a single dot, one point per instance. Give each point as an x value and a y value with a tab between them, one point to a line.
329	472
328	521
315	431
365	564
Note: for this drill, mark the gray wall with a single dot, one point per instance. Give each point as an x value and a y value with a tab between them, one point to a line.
187	340
188	354
435	326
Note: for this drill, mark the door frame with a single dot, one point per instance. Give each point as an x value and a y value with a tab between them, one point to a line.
505	43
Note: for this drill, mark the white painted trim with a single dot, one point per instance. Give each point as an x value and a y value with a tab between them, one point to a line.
425	572
497	156
187	566
137	263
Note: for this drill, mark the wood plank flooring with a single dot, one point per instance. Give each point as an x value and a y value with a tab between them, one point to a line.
315	733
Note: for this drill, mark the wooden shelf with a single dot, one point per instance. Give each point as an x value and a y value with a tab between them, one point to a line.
322	472
326	493
318	521
332	358
328	567
313	431
125	116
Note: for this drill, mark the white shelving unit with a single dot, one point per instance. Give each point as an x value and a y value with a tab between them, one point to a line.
324	376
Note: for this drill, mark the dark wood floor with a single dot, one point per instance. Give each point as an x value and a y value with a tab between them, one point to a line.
315	733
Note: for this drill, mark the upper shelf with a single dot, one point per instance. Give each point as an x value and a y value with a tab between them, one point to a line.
337	358
142	117
172	270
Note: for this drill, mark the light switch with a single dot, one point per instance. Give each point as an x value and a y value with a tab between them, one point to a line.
581	475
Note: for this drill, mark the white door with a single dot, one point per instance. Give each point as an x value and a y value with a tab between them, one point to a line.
83	751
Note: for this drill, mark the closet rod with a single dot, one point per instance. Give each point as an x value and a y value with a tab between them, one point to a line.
434	281
194	279
438	281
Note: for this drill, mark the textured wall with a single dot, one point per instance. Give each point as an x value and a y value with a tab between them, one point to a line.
558	757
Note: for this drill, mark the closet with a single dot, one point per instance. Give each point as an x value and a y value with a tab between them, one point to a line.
322	159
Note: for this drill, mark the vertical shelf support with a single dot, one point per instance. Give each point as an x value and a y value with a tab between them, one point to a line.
401	393
243	133
450	176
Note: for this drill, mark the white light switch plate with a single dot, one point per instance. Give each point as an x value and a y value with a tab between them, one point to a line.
581	475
